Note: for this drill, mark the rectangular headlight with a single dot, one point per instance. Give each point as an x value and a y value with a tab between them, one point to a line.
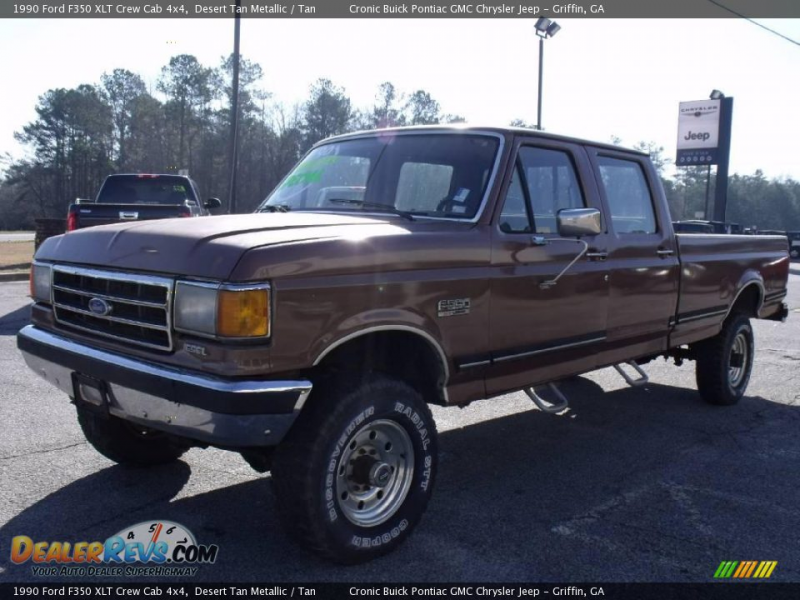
230	311
196	307
40	282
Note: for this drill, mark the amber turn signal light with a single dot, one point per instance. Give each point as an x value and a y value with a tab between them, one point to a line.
243	313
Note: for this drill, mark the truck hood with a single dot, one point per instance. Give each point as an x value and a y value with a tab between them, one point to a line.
208	247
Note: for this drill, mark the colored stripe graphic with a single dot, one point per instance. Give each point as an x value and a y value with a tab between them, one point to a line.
772	566
743	566
745	569
753	565
720	569
731	566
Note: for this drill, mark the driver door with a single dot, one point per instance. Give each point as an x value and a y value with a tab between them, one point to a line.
539	334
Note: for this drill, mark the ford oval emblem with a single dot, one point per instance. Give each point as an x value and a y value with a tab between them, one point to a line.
99	307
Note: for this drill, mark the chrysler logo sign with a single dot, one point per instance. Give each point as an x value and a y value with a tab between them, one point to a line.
99	307
698	133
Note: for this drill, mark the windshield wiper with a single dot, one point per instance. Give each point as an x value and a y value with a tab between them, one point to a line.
281	208
377	205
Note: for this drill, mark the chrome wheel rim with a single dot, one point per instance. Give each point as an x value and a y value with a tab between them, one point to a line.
737	363
374	473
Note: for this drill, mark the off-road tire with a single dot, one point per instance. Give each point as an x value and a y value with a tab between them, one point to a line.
714	358
306	468
126	443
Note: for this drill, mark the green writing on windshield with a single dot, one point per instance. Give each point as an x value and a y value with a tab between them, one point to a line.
310	171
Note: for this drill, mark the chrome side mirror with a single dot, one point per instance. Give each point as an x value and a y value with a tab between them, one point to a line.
579	221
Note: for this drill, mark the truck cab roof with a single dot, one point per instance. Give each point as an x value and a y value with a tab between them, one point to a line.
478	129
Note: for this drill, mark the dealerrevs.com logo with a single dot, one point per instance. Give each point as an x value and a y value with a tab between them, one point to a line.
150	548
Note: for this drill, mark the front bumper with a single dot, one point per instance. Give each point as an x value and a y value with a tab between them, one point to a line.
223	412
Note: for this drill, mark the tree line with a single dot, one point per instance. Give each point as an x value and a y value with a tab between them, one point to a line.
753	200
119	125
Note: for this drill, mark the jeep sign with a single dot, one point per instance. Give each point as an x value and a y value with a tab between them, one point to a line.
698	133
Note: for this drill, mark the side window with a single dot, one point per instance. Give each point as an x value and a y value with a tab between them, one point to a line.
552	185
514	217
628	194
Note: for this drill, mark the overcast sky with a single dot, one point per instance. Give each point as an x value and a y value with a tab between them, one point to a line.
602	77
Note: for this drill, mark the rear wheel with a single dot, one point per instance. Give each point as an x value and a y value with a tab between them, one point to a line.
355	473
725	361
127	443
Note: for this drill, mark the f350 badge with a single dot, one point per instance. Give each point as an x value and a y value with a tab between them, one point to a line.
453	307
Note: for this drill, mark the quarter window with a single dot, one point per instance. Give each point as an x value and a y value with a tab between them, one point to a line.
628	195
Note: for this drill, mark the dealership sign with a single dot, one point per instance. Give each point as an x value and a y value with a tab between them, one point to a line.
698	133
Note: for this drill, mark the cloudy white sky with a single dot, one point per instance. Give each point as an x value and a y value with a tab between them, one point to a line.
602	77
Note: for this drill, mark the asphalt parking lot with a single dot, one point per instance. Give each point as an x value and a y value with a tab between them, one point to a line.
629	485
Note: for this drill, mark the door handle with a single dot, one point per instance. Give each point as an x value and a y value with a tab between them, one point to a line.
597	255
538	240
663	253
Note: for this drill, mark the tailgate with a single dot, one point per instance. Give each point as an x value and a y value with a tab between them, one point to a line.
90	215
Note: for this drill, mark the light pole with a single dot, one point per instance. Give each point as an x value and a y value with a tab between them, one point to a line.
234	111
544	28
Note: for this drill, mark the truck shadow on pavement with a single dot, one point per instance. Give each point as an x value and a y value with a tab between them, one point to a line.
11	323
634	484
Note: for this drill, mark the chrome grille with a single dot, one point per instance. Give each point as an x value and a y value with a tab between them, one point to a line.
139	305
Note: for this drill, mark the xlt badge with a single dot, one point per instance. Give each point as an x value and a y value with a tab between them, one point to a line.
451	308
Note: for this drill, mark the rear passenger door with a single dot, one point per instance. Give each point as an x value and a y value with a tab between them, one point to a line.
642	262
540	334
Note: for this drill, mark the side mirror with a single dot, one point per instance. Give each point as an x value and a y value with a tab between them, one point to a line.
579	221
213	203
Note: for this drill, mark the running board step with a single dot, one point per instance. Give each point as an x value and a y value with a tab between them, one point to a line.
546	406
643	378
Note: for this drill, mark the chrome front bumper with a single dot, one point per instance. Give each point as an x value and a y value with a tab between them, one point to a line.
224	412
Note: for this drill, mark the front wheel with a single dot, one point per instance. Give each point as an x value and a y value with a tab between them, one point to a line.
355	473
725	361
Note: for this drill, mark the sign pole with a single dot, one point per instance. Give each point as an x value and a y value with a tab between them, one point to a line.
721	185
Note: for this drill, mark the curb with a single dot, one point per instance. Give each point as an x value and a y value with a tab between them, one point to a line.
13	276
26	266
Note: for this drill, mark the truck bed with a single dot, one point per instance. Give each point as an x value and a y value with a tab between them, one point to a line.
716	268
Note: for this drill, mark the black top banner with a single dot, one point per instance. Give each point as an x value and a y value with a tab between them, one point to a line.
421	9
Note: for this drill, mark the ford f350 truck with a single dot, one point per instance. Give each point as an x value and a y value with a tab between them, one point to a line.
140	197
388	271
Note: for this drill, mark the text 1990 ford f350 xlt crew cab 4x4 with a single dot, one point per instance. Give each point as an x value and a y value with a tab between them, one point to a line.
388	271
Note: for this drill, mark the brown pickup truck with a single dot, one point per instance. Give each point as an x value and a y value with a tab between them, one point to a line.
388	271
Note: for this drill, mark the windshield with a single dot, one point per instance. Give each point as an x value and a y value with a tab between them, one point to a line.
145	189
437	175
